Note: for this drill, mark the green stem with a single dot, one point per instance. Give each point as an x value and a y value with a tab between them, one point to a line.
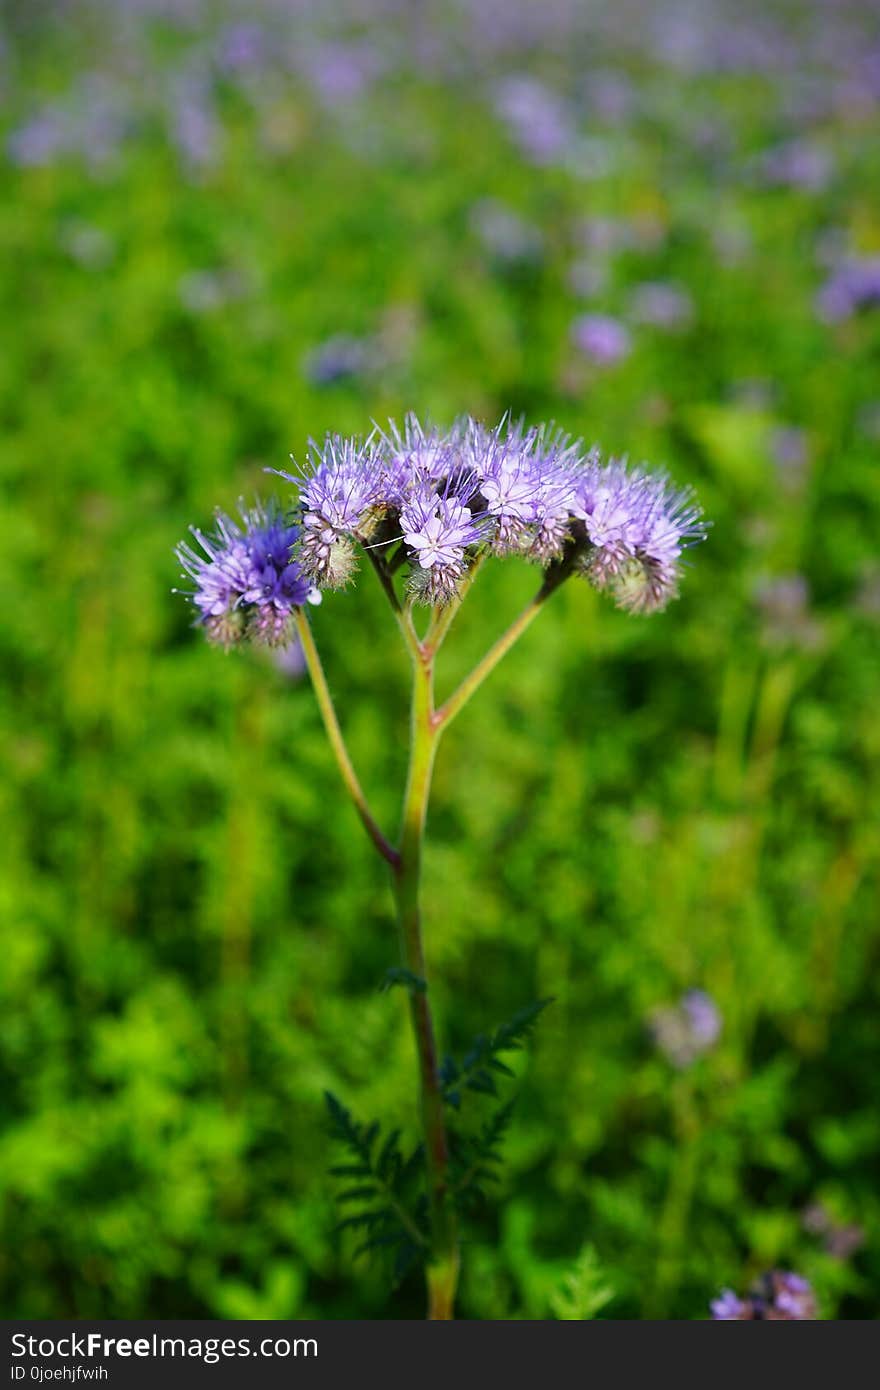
444	617
337	742
459	698
443	1268
402	616
427	724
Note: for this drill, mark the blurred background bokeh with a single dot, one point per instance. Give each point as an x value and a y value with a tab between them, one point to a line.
226	227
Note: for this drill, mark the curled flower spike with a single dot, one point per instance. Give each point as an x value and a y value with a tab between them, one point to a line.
247	584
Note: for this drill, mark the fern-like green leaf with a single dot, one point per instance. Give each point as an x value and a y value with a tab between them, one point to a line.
387	1184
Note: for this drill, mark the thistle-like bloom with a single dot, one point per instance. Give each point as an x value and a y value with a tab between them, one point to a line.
339	499
435	499
778	1296
638	525
246	582
526	480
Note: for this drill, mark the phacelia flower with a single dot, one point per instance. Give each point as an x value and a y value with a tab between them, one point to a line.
524	480
638	525
432	499
778	1296
438	529
507	481
246	582
340	498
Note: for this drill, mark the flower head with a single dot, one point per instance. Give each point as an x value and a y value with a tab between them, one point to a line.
638	525
439	495
246	583
339	497
438	530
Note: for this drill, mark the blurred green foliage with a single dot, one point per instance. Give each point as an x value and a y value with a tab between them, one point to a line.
195	931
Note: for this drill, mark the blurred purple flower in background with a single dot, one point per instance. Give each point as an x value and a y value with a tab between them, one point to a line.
603	339
537	119
779	1296
340	72
839	1239
784	605
854	285
241	47
797	164
203	291
290	660
90	123
342	357
39	140
195	128
608	235
789	450
611	95
661	304
504	234
588	277
685	1031
85	243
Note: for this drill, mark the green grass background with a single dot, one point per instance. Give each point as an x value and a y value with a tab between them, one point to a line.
194	929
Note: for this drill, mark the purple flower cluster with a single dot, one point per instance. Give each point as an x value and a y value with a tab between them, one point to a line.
778	1296
434	500
246	582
